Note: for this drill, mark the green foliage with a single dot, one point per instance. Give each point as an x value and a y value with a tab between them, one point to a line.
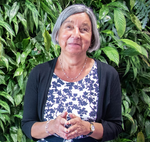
25	41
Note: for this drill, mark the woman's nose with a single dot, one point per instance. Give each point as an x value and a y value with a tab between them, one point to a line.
76	33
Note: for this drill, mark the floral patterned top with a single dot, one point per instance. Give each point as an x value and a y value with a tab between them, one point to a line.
80	98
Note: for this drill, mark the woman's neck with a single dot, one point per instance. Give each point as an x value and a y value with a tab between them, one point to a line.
72	62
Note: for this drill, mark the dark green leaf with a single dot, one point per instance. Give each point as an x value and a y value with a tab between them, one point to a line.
20	81
18	58
7	96
137	47
2	126
120	22
23	21
2	79
103	12
18	72
13	11
5	60
5	105
7	27
118	5
147	128
18	99
112	54
35	13
47	9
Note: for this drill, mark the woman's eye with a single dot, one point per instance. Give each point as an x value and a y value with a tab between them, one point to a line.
84	29
69	27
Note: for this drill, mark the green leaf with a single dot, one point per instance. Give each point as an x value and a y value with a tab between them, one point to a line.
134	127
18	58
120	22
18	72
13	11
5	60
132	3
23	57
5	105
136	21
13	133
118	5
126	106
7	96
11	60
112	54
18	99
35	18
127	67
2	125
146	89
31	22
7	27
47	40
1	49
18	116
23	21
25	43
103	12
130	52
19	135
137	47
147	128
16	25
35	13
48	10
145	98
20	81
127	115
2	80
140	137
3	111
109	32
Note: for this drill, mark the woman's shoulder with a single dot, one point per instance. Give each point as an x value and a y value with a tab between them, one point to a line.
106	69
105	66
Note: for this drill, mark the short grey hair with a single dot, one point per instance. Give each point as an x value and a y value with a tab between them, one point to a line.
74	9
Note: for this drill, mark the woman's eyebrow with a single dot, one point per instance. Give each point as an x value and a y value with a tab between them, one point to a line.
68	22
86	25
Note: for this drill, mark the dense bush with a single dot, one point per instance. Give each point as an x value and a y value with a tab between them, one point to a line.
25	41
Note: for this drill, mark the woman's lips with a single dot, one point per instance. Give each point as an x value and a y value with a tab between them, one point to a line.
74	44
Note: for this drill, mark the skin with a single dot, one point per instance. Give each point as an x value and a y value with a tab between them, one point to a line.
74	38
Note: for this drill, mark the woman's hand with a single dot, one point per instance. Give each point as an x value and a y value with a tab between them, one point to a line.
78	127
58	125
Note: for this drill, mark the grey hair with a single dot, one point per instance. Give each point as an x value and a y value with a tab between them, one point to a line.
74	9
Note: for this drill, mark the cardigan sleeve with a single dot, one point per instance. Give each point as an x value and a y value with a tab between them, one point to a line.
110	102
30	113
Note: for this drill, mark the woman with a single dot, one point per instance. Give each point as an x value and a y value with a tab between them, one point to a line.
73	96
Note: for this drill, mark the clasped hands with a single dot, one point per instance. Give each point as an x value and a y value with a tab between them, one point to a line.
77	126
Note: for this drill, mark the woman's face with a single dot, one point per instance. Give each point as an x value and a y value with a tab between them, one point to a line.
75	34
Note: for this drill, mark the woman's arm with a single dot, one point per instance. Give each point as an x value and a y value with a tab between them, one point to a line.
41	130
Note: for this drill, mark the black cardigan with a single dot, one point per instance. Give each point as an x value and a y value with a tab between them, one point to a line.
109	104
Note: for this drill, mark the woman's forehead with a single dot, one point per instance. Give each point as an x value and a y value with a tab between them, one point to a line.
78	17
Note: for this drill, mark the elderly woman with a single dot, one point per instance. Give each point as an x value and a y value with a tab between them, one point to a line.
73	97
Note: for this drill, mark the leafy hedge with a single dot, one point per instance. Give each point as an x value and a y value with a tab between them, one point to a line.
25	41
